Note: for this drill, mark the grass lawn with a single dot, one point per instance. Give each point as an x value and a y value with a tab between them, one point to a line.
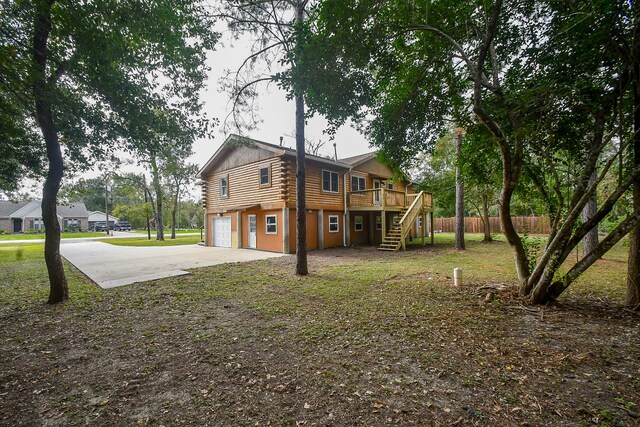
368	338
143	241
36	236
168	231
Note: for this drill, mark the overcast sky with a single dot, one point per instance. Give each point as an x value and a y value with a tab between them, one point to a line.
276	113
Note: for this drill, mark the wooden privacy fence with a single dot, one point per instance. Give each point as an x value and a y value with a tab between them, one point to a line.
534	224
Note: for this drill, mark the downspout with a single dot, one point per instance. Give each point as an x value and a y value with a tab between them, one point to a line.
346	212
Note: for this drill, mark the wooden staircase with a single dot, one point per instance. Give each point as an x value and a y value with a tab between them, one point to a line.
393	239
402	224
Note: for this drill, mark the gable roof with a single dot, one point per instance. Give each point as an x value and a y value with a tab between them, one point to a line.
234	140
359	159
25	209
7	208
99	216
74	210
32	208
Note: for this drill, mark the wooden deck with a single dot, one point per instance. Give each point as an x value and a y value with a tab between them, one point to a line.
383	199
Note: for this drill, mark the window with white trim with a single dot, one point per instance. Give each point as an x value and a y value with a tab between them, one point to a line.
357	223
334	225
224	186
378	222
390	185
330	181
272	224
265	176
358	183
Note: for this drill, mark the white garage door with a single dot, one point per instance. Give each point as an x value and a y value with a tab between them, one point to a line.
222	231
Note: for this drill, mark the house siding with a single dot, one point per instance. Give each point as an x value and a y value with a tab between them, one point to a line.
315	197
6	225
312	230
244	188
359	237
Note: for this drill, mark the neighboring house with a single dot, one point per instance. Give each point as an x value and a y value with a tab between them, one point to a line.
249	199
27	216
97	216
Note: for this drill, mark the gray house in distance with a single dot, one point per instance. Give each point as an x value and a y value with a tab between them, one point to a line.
27	216
97	216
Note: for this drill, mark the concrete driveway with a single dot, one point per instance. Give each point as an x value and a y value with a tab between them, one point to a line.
111	266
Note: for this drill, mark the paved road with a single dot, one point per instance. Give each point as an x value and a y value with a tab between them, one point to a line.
115	235
111	266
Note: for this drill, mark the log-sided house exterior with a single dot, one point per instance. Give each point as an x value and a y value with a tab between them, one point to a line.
249	198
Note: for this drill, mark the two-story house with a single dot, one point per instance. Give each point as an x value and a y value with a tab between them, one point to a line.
249	198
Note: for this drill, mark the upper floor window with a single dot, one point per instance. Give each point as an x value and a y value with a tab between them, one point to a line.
390	185
224	186
358	183
330	181
265	176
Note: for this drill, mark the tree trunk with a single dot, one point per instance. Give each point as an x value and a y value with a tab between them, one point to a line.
590	241
486	225
58	290
459	197
519	255
173	216
301	204
159	216
632	298
158	189
547	291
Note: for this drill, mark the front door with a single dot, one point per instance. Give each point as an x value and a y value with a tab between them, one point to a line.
376	194
17	225
252	231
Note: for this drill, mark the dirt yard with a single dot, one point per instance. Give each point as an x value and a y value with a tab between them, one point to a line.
368	338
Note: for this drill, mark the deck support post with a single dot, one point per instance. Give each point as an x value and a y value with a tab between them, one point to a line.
347	229
383	219
371	227
431	226
423	217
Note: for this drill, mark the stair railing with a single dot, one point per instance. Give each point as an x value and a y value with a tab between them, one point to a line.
409	217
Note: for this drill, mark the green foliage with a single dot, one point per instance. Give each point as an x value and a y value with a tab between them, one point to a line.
532	248
110	67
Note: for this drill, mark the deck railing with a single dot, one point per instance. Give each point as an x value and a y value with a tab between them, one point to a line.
383	198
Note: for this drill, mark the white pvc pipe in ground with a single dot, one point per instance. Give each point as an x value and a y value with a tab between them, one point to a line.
457	277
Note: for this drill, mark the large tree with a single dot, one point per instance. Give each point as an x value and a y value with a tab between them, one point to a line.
275	26
91	77
546	80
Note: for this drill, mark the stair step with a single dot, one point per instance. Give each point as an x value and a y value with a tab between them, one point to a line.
387	249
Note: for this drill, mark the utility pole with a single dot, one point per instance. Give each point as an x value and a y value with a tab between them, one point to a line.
106	200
